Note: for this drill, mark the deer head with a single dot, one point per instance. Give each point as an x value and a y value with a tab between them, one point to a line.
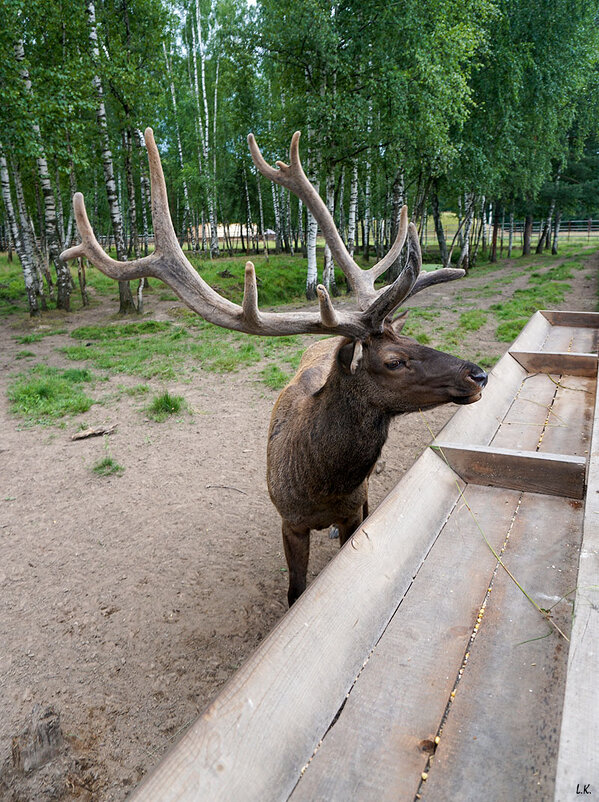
169	264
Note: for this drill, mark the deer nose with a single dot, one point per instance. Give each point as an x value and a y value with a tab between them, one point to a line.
479	376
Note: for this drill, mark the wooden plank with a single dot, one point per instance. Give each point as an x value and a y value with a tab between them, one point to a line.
532	471
477	423
258	734
578	761
572	364
571	318
378	747
570	424
525	421
500	739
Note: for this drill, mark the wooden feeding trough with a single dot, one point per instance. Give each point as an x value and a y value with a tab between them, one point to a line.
414	666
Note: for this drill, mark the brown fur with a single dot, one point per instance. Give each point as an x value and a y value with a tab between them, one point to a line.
329	425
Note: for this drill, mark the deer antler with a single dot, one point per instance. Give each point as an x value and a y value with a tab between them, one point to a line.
168	263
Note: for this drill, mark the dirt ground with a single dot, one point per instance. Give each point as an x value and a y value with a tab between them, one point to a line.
127	602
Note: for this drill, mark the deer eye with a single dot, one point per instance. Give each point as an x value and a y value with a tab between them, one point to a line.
394	364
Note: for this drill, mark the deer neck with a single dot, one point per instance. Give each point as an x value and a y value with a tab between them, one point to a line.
349	429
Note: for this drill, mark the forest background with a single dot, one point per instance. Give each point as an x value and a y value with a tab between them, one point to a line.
488	109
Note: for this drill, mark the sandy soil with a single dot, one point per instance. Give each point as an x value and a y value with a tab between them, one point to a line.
127	602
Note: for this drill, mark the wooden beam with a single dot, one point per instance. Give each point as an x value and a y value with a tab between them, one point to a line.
578	757
534	472
562	362
582	320
262	729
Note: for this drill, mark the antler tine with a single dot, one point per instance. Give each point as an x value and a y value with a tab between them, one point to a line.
92	250
164	233
385	263
293	177
389	298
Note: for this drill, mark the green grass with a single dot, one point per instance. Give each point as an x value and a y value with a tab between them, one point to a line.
164	405
107	466
473	320
274	377
24	354
514	313
44	394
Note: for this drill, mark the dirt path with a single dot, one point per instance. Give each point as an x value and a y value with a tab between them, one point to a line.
128	601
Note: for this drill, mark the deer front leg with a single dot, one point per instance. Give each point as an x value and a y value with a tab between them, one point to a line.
296	542
349	525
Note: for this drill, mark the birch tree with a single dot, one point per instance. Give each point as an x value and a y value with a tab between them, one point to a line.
126	304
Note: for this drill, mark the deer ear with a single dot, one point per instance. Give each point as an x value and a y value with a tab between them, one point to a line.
400	321
349	356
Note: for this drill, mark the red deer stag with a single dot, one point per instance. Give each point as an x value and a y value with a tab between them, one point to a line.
330	423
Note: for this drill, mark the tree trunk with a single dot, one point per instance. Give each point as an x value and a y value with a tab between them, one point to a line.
556	227
353	210
464	260
53	240
328	273
527	235
440	232
397	202
186	206
510	241
22	246
126	299
493	256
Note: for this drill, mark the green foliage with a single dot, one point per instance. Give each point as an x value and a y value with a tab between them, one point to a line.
164	405
44	394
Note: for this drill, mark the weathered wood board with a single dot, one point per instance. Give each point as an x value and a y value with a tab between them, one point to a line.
533	471
388	649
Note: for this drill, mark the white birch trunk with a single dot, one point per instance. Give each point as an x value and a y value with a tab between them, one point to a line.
353	210
554	245
261	213
51	227
469	211
186	206
212	194
125	297
22	248
328	273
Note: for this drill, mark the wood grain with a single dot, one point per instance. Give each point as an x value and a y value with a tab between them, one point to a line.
578	760
262	729
571	318
378	747
500	739
571	364
532	471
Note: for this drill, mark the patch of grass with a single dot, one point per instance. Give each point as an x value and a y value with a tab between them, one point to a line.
274	377
473	320
24	354
107	466
487	362
120	330
139	389
515	312
45	394
164	405
37	336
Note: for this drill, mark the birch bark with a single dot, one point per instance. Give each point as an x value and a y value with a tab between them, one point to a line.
328	273
51	223
22	248
186	207
126	304
353	210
